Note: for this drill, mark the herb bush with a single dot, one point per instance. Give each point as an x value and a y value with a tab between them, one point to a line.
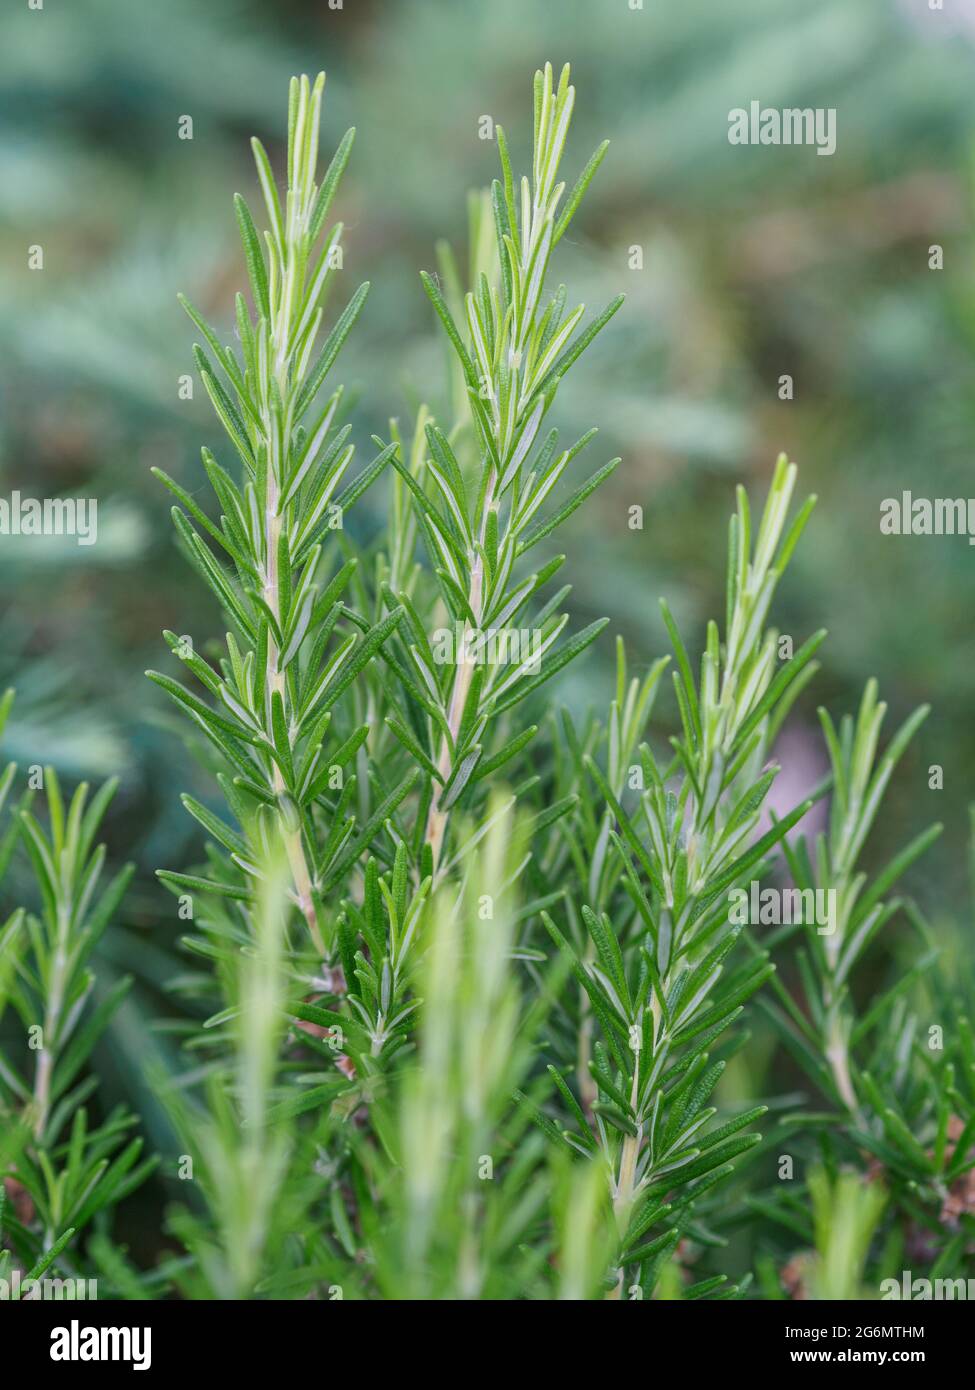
469	981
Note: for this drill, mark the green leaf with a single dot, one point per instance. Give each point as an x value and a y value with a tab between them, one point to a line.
578	192
573	648
330	184
330	350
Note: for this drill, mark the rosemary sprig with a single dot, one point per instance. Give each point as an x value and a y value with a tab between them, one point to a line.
272	698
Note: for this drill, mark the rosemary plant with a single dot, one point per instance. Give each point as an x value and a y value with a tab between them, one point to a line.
271	701
469	978
656	980
239	1146
904	1106
58	1168
858	789
482	513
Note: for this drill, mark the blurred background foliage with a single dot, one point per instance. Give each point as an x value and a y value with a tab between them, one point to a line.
756	262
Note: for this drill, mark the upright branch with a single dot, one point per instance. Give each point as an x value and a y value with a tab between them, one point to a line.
655	976
63	1165
68	870
513	351
275	691
857	907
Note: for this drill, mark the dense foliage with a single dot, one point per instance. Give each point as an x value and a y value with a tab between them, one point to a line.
467	984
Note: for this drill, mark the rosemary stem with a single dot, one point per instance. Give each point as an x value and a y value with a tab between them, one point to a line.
625	1188
52	1019
436	826
277	682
